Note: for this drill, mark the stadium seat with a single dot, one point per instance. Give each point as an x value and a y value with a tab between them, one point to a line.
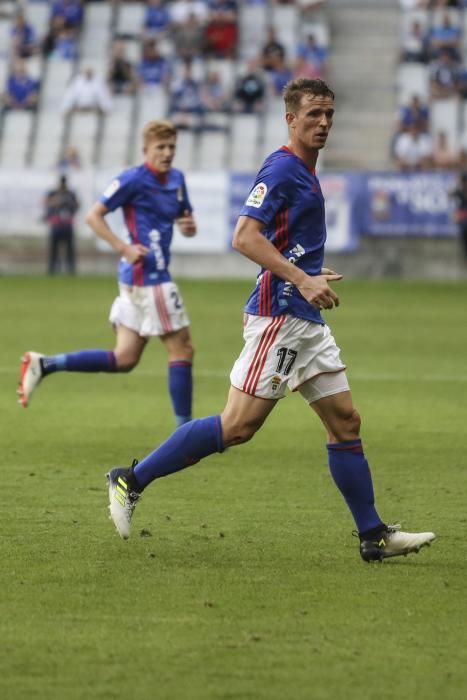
320	31
445	116
17	127
117	132
37	14
56	77
412	79
83	134
49	138
253	20
212	152
285	20
184	158
130	17
153	104
244	142
96	33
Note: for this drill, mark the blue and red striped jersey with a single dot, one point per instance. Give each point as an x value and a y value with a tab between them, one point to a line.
150	202
287	198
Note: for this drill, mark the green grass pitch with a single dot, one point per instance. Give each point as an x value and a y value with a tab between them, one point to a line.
241	580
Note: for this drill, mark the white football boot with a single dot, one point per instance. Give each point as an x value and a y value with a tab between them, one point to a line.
393	542
29	377
122	498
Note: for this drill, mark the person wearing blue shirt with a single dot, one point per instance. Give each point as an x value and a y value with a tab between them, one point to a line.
151	197
22	91
287	342
156	17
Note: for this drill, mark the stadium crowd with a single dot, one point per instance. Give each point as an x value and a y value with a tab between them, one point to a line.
177	46
431	124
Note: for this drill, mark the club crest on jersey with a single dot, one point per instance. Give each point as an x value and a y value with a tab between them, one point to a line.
112	188
275	383
257	195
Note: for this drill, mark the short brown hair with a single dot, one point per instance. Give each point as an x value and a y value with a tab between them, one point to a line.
295	89
158	129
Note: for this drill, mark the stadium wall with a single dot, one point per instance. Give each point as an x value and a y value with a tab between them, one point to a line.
379	224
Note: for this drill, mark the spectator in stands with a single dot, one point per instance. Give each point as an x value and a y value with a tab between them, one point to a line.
462	82
447	3
180	10
272	49
444	155
250	89
23	37
413	150
311	59
309	8
65	45
459	195
72	12
121	75
60	207
415	45
279	75
69	160
56	26
414	4
22	91
416	112
221	32
156	18
444	77
188	38
463	151
153	68
214	97
86	93
446	38
186	108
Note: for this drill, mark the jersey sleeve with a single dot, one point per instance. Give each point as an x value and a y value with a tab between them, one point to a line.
119	191
272	191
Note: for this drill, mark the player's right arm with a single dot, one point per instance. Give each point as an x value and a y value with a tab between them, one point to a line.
249	240
95	219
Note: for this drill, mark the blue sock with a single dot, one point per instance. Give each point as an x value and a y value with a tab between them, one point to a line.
352	476
181	390
186	446
82	361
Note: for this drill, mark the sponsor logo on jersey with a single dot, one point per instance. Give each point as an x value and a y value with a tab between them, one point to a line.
112	188
275	383
257	195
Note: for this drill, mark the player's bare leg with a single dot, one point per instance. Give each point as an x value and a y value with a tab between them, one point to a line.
351	474
128	348
243	416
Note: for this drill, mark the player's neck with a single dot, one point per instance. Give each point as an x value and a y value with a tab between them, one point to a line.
308	155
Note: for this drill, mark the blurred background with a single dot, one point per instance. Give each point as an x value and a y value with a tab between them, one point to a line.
80	78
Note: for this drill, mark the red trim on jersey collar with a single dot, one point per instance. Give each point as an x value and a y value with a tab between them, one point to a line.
289	150
162	177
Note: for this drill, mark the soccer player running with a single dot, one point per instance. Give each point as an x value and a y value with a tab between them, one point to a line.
282	228
152	196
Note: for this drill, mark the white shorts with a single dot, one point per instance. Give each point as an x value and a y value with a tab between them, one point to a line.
285	351
151	310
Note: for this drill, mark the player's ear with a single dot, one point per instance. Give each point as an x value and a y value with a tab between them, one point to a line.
290	119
